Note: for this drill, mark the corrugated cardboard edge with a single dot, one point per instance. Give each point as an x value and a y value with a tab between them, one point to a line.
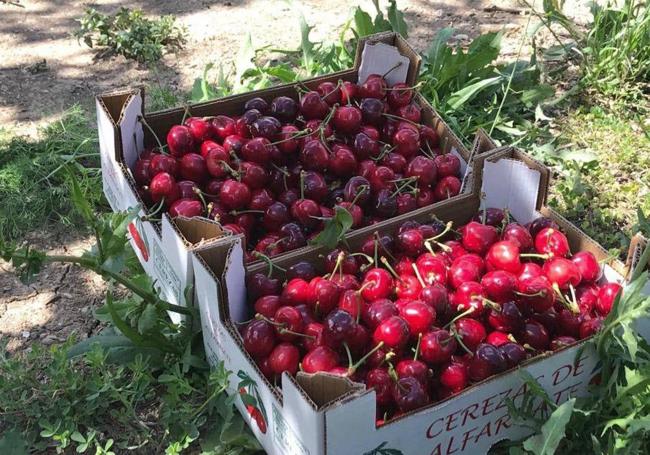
402	45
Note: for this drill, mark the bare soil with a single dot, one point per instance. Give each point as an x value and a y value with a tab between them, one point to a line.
44	70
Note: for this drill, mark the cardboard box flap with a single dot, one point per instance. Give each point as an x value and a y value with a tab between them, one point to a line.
131	133
113	103
373	56
325	388
234	283
638	243
483	143
510	184
196	230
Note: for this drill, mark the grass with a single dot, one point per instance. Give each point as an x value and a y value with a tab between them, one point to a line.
601	192
33	186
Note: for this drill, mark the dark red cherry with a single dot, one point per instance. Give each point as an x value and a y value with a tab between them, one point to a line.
514	353
302	269
409	394
256	103
606	297
349	92
447	165
347	119
267	305
265	126
393	332
399	95
163	163
590	327
192	166
284	357
541	223
535	335
487	360
518	235
180	140
552	242
373	87
409	368
507	318
378	311
446	188
561	342
312	106
259	338
338	325
372	110
380	381
422	168
289	323
284	108
406	142
437	347
329	92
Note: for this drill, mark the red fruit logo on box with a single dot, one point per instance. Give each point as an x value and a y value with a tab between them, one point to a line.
139	242
251	399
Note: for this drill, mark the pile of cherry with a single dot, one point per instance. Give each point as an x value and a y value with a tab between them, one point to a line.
421	314
277	172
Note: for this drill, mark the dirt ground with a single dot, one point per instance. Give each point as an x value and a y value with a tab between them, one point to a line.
43	70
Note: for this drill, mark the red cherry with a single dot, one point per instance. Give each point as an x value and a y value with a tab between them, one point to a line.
552	242
223	126
499	285
504	255
378	311
377	284
343	162
288	319
233	144
469	295
284	357
325	295
590	327
437	347
562	272
259	338
424	169
409	368
432	269
257	150
163	185
267	305
419	316
471	332
497	338
329	92
234	195
454	376
529	270
435	296
347	119
306	212
606	297
380	381
399	95
561	342
540	223
586	296
180	140
446	187
296	292
535	335
187	190
477	237
447	165
312	106
518	235
321	358
313	338
374	87
407	142
163	163
199	128
587	265
463	270
537	293
411	112
407	287
186	207
393	332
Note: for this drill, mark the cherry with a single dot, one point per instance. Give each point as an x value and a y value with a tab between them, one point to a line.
399	95
163	163
477	237
393	332
568	323
462	271
306	212
234	194
346	281
199	128
367	168
409	394
432	269
268	127
513	353
192	166
378	311
347	119
549	319
374	87
352	302
320	358
302	269
606	297
296	292
275	216
529	270
372	110
487	360
215	159
424	169
586	296
313	336
418	316
163	185
265	368
343	162
289	323
470	332
552	242
435	296
259	338
382	178
506	319
562	342
289	196
329	92
587	265
253	175
407	142
357	189
284	108
562	272
142	171
411	112
180	140
338	325
469	295
312	106
395	161
406	202
242	124
407	287
499	285
267	305
187	190
292	237
315	186
380	381
377	284
339	260
186	207
447	165
541	223
284	357
261	199
224	126
504	255
348	92
410	242
535	335
256	103
437	347
537	293
590	327
325	295
491	216
409	368
497	338
518	235
257	150
446	187
306	313
454	376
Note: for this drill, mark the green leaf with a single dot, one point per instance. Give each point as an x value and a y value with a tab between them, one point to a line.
396	19
148	318
335	228
363	23
77	437
306	45
79	200
244	61
553	431
12	442
459	98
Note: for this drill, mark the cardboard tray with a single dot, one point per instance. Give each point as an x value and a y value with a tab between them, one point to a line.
321	414
163	249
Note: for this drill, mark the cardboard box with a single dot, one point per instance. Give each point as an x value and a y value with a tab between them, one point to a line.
165	254
322	414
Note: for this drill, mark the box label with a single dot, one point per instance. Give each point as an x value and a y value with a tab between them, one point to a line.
285	437
170	281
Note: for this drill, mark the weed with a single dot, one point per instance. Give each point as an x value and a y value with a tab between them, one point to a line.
33	188
131	34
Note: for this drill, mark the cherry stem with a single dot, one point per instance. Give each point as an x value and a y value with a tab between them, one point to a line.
186	113
537	294
363	255
418	275
390	268
460	341
417	347
443	247
199	193
302	184
282	327
297	135
447	229
414	87
142	120
360	191
365	357
240	212
230	169
571	306
269	262
397	117
155	210
349	354
337	265
282	170
397	65
338	86
491	304
535	255
459	316
392	373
